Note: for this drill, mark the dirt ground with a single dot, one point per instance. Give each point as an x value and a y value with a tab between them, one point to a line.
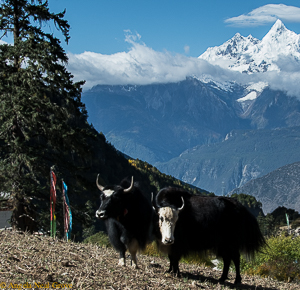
40	262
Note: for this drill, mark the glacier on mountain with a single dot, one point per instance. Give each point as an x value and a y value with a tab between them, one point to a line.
254	90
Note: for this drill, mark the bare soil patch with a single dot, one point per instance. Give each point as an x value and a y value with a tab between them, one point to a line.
39	262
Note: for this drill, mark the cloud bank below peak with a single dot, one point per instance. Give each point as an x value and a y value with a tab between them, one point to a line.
141	65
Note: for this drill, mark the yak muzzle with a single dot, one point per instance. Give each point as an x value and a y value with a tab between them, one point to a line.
167	241
101	214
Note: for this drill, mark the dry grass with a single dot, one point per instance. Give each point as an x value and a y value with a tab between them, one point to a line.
45	262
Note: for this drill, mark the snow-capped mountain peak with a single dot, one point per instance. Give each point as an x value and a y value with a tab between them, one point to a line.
280	40
231	49
278	27
250	55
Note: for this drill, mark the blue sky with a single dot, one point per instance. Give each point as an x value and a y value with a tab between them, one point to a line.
185	27
138	42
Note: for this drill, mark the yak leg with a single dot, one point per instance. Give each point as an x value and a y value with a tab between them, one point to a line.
122	261
174	267
236	261
117	237
133	247
233	255
121	248
226	260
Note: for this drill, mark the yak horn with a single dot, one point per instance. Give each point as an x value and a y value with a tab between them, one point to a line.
98	185
152	201
130	187
154	205
181	208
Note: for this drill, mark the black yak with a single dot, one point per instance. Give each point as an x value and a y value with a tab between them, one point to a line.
193	223
128	218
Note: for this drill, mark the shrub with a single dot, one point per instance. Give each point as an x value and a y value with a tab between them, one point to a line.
101	239
151	250
279	260
193	258
198	258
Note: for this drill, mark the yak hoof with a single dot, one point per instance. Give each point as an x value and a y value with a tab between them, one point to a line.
135	266
222	280
121	262
174	274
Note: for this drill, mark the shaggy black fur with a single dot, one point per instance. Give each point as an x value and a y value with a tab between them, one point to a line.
219	224
128	217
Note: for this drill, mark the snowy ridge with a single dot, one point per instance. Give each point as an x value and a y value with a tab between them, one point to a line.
207	79
254	90
250	55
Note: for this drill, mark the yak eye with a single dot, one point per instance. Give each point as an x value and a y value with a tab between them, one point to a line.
161	219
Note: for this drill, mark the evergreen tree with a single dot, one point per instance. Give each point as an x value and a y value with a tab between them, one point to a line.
249	201
41	113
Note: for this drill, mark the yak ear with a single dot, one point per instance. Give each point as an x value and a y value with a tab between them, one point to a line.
98	185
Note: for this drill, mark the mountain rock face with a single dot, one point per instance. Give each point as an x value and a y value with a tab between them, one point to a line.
251	55
158	122
280	187
211	137
242	156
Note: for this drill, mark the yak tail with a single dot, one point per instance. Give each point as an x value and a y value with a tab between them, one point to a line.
252	238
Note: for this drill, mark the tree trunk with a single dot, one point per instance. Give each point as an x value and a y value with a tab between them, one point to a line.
22	217
16	33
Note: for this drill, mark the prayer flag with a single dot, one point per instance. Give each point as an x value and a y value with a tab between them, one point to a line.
67	213
287	220
52	204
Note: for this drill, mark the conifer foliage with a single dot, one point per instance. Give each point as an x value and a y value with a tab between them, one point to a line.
41	113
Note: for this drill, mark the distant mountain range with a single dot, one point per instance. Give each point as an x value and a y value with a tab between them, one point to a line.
158	122
251	55
280	187
242	156
217	136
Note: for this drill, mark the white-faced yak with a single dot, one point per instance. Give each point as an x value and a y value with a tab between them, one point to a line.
128	218
192	223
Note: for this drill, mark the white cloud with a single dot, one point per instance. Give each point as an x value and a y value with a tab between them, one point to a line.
3	42
186	49
132	38
284	81
140	65
266	14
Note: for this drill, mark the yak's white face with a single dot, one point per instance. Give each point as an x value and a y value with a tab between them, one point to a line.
108	192
167	221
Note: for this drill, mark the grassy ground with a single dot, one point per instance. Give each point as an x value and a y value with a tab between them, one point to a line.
33	262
